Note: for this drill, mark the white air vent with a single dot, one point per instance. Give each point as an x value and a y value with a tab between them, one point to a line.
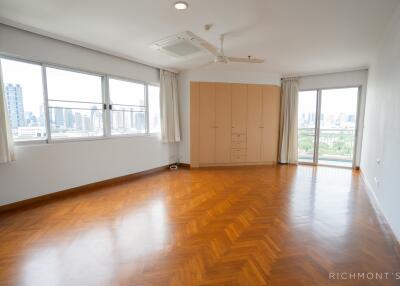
183	46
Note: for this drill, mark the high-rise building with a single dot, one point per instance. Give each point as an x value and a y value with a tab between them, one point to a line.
78	121
96	118
15	105
59	117
30	119
140	121
87	124
51	115
69	119
42	117
118	121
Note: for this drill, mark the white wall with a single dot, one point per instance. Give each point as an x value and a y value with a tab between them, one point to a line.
382	126
47	168
342	79
210	76
31	46
331	80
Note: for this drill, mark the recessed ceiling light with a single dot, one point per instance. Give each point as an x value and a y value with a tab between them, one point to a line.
181	5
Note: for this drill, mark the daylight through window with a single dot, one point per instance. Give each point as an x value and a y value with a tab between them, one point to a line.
75	104
72	104
128	107
23	92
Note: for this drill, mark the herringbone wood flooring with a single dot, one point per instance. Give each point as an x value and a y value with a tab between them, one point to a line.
282	225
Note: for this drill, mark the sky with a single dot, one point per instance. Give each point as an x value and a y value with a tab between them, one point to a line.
333	101
73	86
61	84
29	76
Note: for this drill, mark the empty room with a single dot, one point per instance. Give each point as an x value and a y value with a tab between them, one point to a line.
212	142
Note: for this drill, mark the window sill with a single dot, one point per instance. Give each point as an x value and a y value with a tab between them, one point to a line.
120	136
74	140
30	142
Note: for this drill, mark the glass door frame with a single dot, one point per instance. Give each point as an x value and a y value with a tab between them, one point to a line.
318	123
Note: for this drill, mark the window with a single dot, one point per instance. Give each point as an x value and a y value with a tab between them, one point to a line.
23	91
337	129
75	104
327	125
57	104
128	107
307	108
154	109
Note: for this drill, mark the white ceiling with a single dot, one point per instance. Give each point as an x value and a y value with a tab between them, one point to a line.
293	36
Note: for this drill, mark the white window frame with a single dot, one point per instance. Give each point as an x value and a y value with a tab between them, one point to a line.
105	98
356	144
146	105
33	141
83	138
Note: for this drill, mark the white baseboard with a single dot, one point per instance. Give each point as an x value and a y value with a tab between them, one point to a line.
377	206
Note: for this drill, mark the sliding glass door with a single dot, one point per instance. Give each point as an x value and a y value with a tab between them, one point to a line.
337	128
327	122
307	112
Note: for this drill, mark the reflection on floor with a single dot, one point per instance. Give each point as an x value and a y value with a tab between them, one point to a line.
337	163
327	162
282	225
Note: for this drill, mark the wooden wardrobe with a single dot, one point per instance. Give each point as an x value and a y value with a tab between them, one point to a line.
233	124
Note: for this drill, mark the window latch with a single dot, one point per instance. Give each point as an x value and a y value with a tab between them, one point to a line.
104	106
110	106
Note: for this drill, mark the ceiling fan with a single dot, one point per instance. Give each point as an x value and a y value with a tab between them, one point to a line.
220	57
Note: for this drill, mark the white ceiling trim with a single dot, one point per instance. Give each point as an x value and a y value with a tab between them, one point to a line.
43	33
326	72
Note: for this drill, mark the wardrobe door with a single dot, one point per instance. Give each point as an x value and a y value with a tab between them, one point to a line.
239	108
222	122
270	122
206	123
254	126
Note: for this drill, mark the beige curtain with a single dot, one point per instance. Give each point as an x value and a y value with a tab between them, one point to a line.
6	142
170	130
288	122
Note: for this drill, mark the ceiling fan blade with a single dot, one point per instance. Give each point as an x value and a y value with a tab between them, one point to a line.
245	60
208	46
205	65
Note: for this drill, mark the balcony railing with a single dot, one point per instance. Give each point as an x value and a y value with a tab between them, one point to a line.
335	146
306	138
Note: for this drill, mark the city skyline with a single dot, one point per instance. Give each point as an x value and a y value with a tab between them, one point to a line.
65	120
338	108
342	120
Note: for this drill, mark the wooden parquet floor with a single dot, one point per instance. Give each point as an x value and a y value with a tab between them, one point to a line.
281	225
